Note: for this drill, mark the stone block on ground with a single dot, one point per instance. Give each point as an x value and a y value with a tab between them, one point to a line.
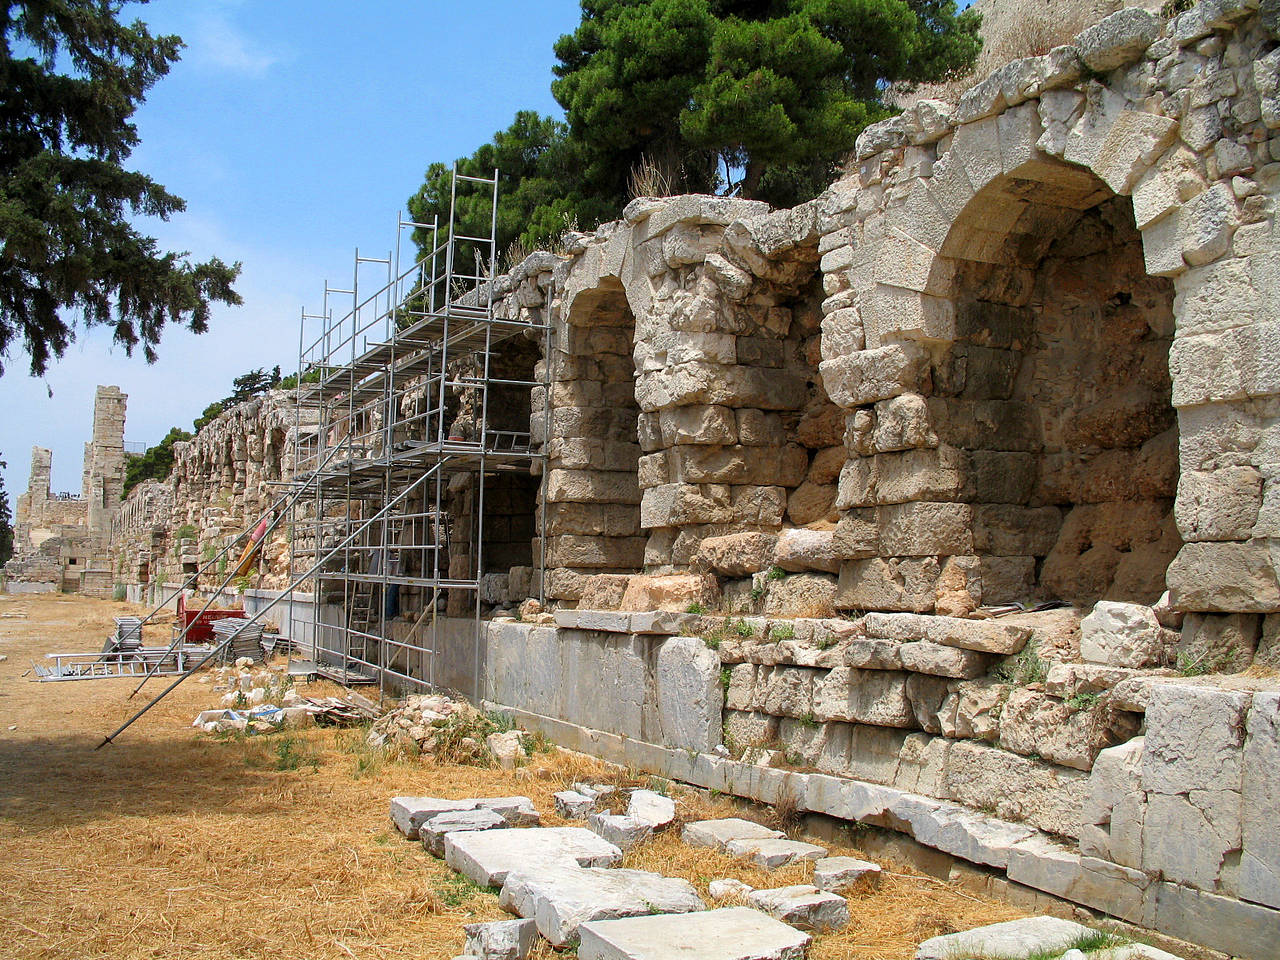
432	833
839	874
771	854
727	888
730	933
624	831
409	813
559	898
486	857
803	906
500	939
718	833
651	808
1014	939
573	805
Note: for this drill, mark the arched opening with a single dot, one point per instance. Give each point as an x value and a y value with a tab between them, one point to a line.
1056	392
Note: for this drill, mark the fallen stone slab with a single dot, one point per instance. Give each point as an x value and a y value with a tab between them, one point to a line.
500	939
487	856
573	805
410	813
842	874
803	906
771	854
621	830
1014	939
728	887
559	898
651	808
730	933
432	833
718	833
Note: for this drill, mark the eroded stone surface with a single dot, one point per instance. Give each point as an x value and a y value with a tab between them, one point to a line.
488	856
730	933
771	854
718	833
803	906
432	832
1014	939
838	874
500	939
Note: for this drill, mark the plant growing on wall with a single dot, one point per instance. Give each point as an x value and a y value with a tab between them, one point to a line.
6	518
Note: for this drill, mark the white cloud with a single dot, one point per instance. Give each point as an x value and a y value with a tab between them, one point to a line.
215	42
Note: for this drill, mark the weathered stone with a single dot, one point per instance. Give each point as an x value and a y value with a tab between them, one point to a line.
1239	928
409	813
652	809
1015	938
622	831
799	550
1035	724
736	554
1260	857
888	584
771	854
500	939
801	595
871	375
1124	635
731	933
729	889
432	831
803	906
560	898
876	697
488	856
844	874
986	636
718	833
573	805
1226	577
1193	740
1218	642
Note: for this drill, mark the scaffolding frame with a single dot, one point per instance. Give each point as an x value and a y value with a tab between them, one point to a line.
387	376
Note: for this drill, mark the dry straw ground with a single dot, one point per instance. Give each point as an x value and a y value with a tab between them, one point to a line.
175	844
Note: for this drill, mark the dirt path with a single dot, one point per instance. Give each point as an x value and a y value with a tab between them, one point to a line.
174	844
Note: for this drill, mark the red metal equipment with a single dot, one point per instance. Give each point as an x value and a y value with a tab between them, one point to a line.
200	624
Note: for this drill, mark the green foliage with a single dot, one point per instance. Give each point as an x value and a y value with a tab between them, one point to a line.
744	629
252	384
782	631
757	593
211	412
187	531
696	609
776	573
6	520
1024	668
726	674
1083	701
72	77
691	94
155	463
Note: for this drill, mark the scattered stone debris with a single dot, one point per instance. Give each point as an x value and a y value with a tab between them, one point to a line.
488	856
573	805
728	888
624	831
500	939
718	833
651	808
450	729
410	813
1014	939
803	906
432	833
845	874
771	853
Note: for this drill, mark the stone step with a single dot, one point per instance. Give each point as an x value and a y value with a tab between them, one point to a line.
730	933
486	857
560	898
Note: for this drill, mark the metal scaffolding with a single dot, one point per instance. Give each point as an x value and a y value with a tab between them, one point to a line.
403	388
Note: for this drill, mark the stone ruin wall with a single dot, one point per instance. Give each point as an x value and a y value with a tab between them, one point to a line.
221	483
62	542
1024	351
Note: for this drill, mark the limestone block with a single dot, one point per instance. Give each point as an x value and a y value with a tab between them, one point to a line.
959	831
1228	577
689	696
972	710
842	333
652	809
736	554
1218	643
799	550
871	375
1188	838
1045	796
843	874
888	584
622	831
680	504
1015	938
1162	246
925	529
432	832
698	424
1194	739
561	898
902	423
1218	505
770	854
1124	635
717	833
936	660
1118	891
784	691
1259	878
987	636
1035	724
728	889
409	813
1134	142
573	805
500	939
1266	80
1206	224
811	502
876	697
578	486
731	933
676	592
802	906
801	595
1238	928
487	856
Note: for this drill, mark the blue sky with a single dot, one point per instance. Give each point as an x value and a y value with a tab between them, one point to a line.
295	130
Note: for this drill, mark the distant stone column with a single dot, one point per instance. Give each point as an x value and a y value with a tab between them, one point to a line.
105	461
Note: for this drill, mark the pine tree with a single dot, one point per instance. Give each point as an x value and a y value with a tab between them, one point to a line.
6	519
71	77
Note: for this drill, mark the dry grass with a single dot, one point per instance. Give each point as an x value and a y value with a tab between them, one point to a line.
173	844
